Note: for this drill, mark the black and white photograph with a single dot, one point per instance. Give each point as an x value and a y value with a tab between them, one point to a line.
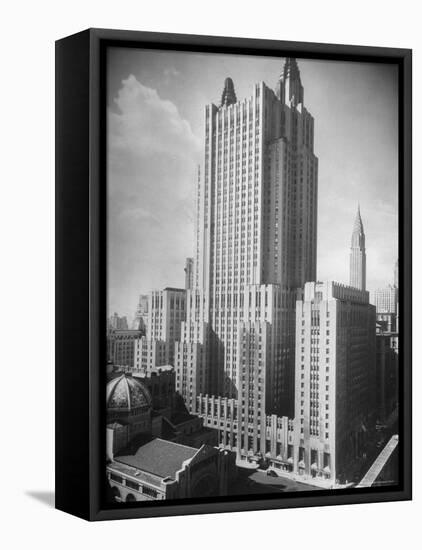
253	322
210	235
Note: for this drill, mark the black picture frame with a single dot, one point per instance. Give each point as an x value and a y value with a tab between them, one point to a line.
81	274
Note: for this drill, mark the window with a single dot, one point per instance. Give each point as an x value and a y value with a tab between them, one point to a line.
132	484
116	478
150	492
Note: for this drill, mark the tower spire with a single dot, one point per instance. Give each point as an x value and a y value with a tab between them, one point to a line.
358	254
289	87
228	96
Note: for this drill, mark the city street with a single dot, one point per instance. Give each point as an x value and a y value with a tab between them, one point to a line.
259	482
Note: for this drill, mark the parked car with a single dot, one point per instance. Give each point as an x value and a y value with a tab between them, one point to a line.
272	473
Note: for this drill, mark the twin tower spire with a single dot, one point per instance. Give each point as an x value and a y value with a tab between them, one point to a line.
288	89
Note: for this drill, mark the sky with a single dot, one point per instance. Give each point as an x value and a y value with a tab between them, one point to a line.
155	131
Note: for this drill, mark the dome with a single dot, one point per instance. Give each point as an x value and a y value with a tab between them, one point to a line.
126	393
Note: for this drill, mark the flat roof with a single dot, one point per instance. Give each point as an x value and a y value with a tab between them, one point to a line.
159	457
174	289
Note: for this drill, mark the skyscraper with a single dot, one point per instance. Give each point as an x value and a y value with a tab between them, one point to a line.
256	237
335	409
358	255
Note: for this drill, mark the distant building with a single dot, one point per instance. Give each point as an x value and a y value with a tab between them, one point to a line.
121	347
189	273
386	299
358	255
386	304
117	323
166	312
140	321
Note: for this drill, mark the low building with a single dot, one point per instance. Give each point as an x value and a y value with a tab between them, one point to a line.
121	347
161	470
335	410
140	321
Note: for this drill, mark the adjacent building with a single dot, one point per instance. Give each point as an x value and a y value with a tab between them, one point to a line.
166	311
335	381
162	470
117	323
386	303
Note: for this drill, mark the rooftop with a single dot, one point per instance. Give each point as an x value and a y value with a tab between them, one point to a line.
159	457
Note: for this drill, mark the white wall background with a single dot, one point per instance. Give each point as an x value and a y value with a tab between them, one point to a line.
27	272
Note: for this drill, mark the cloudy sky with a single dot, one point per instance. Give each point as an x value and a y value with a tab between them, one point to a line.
155	132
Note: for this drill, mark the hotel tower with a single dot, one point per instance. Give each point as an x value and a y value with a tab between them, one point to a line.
256	235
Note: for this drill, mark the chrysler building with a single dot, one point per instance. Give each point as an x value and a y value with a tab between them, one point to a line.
358	255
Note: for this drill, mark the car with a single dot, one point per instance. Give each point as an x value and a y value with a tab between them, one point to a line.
272	473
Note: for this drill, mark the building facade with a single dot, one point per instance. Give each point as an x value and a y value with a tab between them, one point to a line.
121	346
162	470
335	380
387	374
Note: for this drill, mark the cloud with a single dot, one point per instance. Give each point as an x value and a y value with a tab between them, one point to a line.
152	162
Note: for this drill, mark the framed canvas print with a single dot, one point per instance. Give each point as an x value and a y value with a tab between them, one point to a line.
233	274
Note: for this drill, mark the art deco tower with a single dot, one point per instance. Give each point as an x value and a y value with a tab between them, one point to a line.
358	255
256	245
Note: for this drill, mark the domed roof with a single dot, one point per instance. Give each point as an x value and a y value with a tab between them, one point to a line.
127	393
